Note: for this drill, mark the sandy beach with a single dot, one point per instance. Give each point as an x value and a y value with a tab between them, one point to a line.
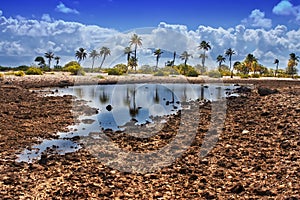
257	155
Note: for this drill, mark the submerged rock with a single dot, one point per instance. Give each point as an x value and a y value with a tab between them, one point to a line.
266	91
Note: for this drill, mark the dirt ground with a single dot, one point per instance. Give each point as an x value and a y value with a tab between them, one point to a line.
257	154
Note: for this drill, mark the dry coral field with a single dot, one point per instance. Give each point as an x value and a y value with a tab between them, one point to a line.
256	156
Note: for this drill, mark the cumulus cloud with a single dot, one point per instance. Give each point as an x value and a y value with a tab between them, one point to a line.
24	39
1	13
64	9
46	17
286	8
257	19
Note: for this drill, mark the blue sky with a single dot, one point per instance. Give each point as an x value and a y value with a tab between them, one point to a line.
124	15
251	26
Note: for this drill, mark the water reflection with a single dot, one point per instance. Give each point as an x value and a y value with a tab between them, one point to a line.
123	106
140	103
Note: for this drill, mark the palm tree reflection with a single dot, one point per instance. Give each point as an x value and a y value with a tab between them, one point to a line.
103	97
133	109
156	96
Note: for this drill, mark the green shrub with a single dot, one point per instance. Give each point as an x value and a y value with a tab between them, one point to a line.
244	75
5	68
74	68
21	68
214	74
19	73
118	69
45	68
34	71
121	67
100	77
255	76
170	70
114	71
225	73
186	70
9	73
161	73
192	73
146	69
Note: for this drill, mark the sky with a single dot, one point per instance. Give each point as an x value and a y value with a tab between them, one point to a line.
268	29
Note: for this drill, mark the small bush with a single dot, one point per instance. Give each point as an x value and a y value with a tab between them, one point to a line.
74	68
114	71
45	68
214	74
244	75
121	67
1	76
100	77
225	73
34	71
255	76
161	73
192	73
9	73
21	68
5	68
146	69
19	73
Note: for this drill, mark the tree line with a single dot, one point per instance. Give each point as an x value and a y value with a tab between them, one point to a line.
249	64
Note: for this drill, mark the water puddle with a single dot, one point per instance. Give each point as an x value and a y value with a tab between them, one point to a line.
123	107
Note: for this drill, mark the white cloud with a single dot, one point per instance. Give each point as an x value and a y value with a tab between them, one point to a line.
284	8
24	39
1	13
46	18
257	19
64	9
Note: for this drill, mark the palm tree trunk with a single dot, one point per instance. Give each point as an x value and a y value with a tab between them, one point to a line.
231	70
102	62
203	60
93	64
156	64
135	51
276	70
174	56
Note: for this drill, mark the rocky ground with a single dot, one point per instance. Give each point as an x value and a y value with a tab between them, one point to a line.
257	155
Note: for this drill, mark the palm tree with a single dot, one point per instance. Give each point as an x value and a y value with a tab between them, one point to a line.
157	53
229	52
276	61
205	46
49	55
104	51
185	56
128	52
293	61
132	63
40	60
250	62
171	63
94	54
136	41
220	60
80	54
57	59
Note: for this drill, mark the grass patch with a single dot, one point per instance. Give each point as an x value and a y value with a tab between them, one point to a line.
100	77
